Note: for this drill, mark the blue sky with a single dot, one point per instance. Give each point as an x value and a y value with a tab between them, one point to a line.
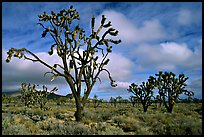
155	36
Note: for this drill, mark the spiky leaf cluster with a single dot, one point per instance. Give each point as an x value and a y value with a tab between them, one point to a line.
19	53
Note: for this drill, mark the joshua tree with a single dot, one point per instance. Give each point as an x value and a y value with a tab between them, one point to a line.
158	99
143	92
133	100
81	65
30	96
171	87
96	101
113	101
119	99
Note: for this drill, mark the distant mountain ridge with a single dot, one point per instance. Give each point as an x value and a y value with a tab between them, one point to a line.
12	93
18	93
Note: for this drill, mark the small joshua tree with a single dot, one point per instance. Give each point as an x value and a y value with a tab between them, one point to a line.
96	101
27	94
143	92
31	96
119	99
133	100
113	101
170	87
158	100
79	69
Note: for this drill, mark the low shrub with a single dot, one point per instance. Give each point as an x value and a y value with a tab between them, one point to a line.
103	128
128	124
70	129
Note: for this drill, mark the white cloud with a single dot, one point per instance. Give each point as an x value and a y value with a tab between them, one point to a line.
168	56
175	51
122	85
130	32
120	67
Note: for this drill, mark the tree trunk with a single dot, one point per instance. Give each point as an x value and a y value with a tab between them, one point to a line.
145	108
78	113
133	104
170	107
115	104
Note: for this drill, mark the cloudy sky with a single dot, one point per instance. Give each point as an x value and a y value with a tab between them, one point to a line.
155	36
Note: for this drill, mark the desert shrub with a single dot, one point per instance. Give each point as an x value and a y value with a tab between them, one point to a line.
6	122
14	110
106	115
198	110
26	122
59	115
70	129
173	124
103	128
189	125
128	124
188	109
93	116
172	128
123	111
13	125
16	130
44	125
98	115
68	116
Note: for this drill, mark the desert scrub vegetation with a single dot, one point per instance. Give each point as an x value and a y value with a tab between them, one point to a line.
185	119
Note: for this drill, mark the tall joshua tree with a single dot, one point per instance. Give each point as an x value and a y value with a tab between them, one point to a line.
78	68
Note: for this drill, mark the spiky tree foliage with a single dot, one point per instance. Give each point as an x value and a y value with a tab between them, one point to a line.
31	96
170	87
143	92
80	67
